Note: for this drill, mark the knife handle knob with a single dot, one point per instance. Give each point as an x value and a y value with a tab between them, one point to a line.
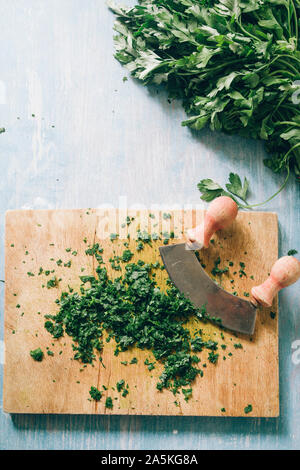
220	214
285	271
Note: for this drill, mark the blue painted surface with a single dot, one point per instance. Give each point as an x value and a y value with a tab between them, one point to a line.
113	138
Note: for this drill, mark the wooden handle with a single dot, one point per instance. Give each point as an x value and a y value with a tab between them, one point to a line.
221	213
285	272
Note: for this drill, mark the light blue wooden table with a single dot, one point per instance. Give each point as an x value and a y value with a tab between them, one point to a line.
93	139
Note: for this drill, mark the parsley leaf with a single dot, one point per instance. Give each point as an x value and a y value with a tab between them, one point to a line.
211	190
235	186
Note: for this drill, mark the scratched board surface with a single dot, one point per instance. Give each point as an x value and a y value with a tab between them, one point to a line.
56	241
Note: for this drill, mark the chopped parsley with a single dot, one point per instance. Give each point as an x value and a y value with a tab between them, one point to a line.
216	270
134	360
248	409
150	365
241	271
109	403
126	256
53	282
120	385
213	357
135	312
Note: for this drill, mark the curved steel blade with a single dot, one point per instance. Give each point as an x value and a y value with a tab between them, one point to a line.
189	277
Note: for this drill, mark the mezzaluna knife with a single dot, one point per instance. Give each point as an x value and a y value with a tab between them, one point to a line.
189	277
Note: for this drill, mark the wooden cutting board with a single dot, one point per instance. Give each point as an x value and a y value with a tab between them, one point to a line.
60	384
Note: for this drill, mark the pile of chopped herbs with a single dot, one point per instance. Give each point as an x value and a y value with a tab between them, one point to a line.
234	64
133	311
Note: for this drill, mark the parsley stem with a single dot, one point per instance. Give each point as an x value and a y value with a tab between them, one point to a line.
289	17
246	32
287	64
291	108
279	104
291	150
274	195
212	69
288	123
279	56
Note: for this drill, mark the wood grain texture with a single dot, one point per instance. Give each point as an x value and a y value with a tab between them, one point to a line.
58	384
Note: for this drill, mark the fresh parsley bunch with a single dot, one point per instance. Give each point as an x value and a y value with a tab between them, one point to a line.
234	64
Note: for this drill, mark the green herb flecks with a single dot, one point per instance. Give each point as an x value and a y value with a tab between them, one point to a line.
95	394
109	403
127	256
134	360
113	236
216	271
242	270
135	312
248	409
150	365
55	329
213	357
53	282
37	354
115	263
187	392
120	385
